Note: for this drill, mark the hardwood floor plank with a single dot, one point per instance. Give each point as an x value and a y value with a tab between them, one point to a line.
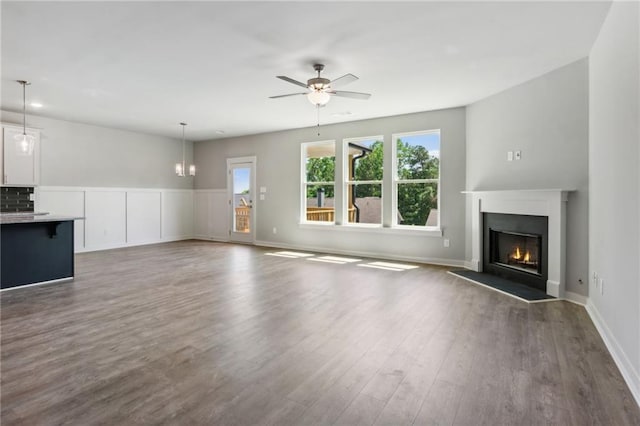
195	332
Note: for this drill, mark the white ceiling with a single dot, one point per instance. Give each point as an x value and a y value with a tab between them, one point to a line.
146	66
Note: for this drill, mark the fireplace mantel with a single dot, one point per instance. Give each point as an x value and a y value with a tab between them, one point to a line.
551	203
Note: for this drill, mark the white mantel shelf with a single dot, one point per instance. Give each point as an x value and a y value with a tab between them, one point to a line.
551	203
518	191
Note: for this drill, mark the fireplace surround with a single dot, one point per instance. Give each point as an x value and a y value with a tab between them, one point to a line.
548	203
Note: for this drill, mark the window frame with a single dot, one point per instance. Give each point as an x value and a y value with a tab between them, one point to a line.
304	183
395	181
346	182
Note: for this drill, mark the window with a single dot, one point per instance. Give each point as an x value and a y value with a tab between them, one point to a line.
318	176
416	179
363	180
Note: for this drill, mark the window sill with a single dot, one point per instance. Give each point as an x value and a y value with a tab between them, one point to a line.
377	229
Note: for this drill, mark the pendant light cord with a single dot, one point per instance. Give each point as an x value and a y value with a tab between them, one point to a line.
24	105
318	109
183	157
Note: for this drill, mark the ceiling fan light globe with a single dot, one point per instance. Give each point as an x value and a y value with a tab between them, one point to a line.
318	97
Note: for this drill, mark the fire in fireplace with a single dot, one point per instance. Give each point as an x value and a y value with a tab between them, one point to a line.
515	248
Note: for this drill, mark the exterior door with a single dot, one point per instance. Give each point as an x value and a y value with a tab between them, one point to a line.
241	190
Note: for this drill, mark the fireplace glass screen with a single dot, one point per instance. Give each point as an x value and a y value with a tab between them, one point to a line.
517	251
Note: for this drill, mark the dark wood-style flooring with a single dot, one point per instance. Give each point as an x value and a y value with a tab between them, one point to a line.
206	333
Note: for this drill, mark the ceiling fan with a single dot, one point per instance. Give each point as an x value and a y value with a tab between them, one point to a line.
321	89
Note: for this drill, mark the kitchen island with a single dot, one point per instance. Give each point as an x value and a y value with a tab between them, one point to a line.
35	249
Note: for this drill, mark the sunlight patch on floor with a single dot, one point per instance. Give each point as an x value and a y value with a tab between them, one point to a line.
319	259
386	268
394	265
341	259
290	254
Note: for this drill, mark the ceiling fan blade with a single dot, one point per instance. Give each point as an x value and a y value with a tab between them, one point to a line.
353	95
292	81
345	79
284	96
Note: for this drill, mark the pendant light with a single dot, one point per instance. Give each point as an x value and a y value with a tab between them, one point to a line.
181	167
24	142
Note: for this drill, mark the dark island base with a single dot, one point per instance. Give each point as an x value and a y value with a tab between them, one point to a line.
36	252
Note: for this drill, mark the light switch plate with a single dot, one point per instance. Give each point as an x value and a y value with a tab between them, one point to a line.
261	197
263	189
510	156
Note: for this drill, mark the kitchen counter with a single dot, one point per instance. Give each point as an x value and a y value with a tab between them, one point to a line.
11	218
36	249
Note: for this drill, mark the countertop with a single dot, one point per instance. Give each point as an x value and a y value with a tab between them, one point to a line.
13	218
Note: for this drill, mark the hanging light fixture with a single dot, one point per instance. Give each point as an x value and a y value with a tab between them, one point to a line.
181	167
318	97
24	142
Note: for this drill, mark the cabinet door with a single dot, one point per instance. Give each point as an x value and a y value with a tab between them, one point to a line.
19	169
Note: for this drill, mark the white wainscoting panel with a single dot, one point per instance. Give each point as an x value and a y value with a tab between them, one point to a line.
106	219
210	214
144	210
121	217
201	223
219	208
66	203
177	214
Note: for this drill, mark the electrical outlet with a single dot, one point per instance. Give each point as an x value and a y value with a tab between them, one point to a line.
446	242
261	197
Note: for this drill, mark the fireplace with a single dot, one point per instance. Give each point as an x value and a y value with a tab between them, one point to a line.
515	248
548	204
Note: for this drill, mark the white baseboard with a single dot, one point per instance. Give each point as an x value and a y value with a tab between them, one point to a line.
432	261
209	238
576	298
132	244
630	375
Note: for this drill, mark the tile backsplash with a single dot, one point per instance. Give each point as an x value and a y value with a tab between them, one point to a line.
16	199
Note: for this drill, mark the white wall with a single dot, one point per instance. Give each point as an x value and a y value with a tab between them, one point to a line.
614	205
120	217
75	154
547	120
278	169
122	182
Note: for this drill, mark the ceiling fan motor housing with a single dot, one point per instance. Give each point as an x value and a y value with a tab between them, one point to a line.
318	83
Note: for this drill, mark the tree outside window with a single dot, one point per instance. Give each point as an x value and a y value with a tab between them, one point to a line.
319	163
363	180
417	178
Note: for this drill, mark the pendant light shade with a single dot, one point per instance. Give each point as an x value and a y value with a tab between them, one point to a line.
181	168
24	142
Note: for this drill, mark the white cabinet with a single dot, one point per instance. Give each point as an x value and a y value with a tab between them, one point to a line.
19	169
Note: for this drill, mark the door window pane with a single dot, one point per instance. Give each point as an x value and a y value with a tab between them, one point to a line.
242	199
